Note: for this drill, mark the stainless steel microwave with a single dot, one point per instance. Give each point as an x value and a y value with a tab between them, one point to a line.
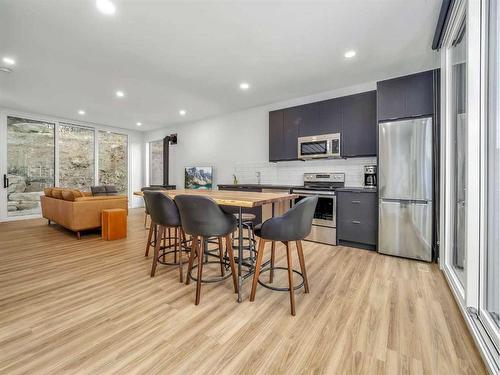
319	146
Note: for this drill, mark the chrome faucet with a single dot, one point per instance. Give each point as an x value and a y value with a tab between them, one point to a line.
258	177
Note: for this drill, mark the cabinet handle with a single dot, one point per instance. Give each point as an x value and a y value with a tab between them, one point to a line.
5	181
356	202
356	222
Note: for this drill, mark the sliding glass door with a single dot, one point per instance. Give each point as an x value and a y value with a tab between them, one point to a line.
455	135
458	108
76	157
113	160
35	154
30	164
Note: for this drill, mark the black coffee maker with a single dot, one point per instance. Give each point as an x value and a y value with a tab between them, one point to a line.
371	176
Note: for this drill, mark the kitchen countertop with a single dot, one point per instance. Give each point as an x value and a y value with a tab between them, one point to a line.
359	189
261	186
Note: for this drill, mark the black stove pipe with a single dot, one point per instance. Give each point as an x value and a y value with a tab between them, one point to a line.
167	141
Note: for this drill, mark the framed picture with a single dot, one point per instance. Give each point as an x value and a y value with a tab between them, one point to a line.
198	178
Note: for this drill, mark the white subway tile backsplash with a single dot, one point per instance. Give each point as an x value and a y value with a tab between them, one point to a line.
292	172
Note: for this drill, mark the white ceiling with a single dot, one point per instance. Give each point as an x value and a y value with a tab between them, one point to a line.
168	55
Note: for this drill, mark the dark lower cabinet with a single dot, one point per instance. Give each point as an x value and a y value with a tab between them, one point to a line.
357	219
359	125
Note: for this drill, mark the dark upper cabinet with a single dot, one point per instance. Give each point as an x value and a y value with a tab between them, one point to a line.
330	116
290	135
283	134
275	135
359	124
318	118
304	118
408	96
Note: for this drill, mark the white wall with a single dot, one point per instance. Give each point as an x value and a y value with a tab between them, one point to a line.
238	143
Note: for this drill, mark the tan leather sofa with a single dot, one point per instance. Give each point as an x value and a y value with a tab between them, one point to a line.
77	211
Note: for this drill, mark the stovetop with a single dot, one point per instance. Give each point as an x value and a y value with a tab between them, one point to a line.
323	181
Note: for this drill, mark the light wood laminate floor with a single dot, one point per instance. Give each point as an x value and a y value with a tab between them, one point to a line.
89	306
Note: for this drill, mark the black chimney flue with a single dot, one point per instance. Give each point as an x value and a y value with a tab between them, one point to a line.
167	141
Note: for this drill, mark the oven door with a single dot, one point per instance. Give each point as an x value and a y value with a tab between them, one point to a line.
325	213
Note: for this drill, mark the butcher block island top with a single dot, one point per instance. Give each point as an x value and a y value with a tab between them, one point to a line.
232	198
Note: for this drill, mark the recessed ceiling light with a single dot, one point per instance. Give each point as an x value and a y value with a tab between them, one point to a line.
81	112
120	94
350	54
182	112
139	123
9	60
244	86
106	7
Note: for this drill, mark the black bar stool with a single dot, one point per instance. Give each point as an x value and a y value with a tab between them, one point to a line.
202	218
149	188
294	225
164	216
247	222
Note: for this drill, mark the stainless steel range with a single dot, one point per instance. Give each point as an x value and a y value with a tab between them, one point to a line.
323	185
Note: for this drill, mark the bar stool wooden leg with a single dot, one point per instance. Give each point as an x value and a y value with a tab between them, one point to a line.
178	248
164	233
194	245
302	262
150	236
258	262
221	256
273	255
290	277
145	220
201	250
230	252
156	252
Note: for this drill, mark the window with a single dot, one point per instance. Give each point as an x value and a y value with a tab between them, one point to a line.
76	157
156	162
30	164
113	160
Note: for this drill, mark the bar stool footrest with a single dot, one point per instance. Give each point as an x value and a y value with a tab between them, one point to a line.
268	286
210	280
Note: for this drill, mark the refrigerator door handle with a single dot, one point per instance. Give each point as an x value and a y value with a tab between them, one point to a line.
405	201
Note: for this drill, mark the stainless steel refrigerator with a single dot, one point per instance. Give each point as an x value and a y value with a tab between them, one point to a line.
405	188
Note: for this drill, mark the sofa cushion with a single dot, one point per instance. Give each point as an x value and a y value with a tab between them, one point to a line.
57	193
48	191
98	190
111	189
100	198
71	195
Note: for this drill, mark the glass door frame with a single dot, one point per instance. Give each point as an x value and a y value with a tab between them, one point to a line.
457	19
482	311
471	296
